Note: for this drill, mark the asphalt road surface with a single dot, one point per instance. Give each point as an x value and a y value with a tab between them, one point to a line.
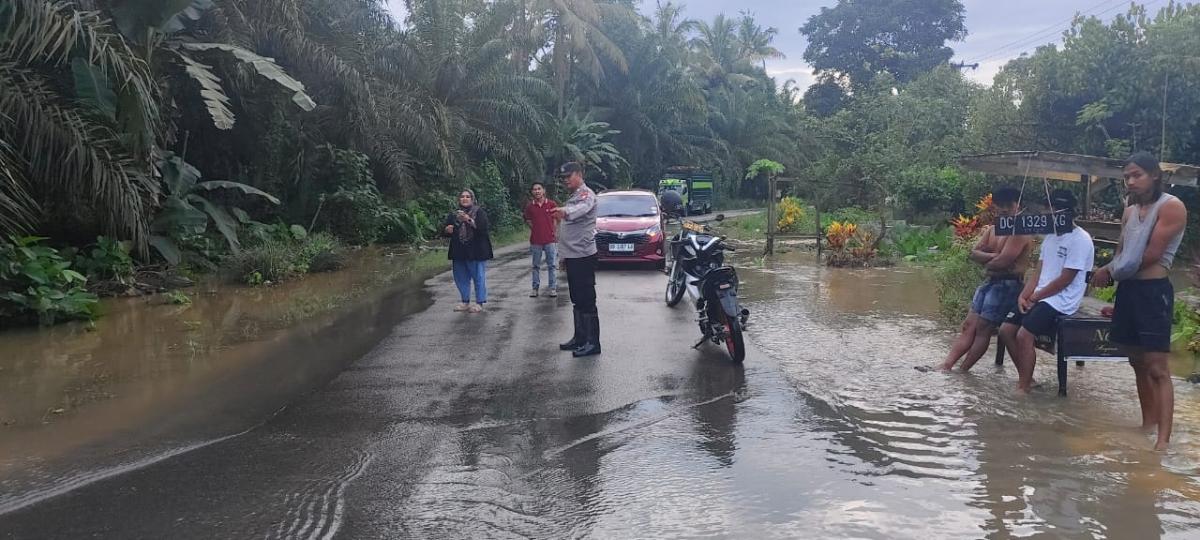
454	426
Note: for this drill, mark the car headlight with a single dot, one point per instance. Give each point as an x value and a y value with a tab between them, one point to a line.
654	231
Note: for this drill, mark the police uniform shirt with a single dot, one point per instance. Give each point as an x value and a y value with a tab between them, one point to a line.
577	239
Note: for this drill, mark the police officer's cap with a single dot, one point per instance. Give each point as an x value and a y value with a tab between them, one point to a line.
569	168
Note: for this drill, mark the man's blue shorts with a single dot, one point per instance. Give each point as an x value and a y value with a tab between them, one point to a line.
996	298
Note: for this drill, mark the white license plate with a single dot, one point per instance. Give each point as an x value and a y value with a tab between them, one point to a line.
627	248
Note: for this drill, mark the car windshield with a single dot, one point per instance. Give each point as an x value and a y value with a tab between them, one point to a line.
627	206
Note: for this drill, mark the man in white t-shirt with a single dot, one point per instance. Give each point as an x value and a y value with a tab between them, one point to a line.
1056	290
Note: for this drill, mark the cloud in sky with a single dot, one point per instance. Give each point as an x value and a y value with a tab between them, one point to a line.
998	31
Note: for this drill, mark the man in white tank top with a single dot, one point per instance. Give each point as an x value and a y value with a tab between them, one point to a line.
1151	231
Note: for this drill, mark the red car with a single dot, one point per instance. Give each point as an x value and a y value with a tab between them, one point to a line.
629	228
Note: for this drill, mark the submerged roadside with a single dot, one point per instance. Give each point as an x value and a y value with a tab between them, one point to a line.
156	376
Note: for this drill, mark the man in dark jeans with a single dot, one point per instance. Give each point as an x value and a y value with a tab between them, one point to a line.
577	246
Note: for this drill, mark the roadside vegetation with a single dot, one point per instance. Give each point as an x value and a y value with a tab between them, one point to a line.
263	139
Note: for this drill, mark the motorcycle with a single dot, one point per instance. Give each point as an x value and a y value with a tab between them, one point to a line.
697	268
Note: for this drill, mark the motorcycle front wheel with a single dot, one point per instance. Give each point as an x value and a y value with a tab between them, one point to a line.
675	286
734	343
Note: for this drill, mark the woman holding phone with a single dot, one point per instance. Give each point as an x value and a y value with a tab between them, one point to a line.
470	250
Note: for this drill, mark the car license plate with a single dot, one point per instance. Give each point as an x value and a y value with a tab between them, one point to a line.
625	248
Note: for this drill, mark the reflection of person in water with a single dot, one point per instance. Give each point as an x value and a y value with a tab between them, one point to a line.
716	421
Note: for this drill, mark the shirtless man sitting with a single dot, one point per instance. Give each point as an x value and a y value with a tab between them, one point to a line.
1005	260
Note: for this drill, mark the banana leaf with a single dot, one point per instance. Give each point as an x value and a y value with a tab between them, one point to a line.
225	184
225	222
211	92
178	218
265	67
167	248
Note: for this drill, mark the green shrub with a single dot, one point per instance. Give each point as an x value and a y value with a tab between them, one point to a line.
1185	323
916	244
106	259
408	225
270	261
923	189
276	259
357	215
851	214
322	252
37	284
957	277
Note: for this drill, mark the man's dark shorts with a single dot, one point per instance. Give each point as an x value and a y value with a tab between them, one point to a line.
1041	320
996	298
1143	314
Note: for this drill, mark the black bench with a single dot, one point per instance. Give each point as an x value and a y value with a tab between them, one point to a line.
1079	339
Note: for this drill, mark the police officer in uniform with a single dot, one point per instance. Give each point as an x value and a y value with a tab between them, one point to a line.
577	248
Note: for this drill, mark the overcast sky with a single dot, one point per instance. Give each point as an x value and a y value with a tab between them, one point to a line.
998	30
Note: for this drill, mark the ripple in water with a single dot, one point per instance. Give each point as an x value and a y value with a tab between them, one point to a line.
985	461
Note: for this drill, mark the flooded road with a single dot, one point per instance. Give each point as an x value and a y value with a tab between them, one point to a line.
153	379
459	426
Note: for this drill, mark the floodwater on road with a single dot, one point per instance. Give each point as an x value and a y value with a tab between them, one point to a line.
153	379
463	426
962	455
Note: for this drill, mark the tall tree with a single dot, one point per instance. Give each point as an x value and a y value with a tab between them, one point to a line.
858	39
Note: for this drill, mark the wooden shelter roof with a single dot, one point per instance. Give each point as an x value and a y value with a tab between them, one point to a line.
1068	167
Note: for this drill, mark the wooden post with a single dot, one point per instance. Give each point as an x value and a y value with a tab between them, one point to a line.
771	202
1087	195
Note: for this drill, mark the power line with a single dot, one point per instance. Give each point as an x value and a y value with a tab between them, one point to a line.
1105	7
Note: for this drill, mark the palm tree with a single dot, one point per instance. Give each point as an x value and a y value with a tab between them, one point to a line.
755	41
718	46
451	84
671	28
66	132
578	38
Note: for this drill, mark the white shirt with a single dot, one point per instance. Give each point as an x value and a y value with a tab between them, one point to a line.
1075	251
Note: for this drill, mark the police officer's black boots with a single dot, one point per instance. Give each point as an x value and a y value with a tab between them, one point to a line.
579	339
591	324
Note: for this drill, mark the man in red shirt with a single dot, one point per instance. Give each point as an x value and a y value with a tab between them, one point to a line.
542	241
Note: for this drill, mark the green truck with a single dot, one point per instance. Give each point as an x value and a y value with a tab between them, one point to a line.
695	186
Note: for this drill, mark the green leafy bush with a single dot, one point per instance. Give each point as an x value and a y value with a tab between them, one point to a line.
1185	323
279	258
916	244
106	259
851	214
928	189
408	225
957	277
186	213
37	284
322	252
357	215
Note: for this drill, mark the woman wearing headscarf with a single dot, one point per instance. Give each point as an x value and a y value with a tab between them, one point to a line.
470	250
